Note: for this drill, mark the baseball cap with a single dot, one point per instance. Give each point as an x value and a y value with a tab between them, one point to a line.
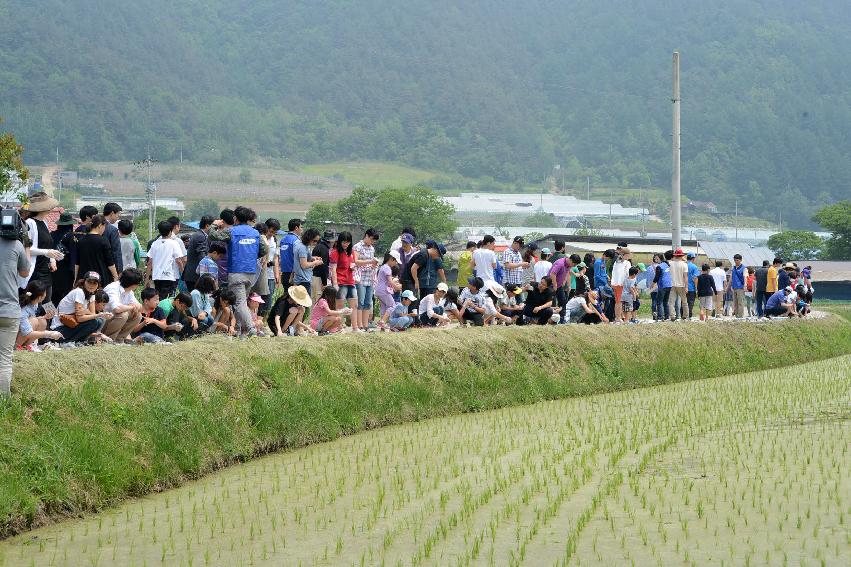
641	266
92	276
329	235
442	287
518	240
691	256
406	237
789	288
546	251
679	252
532	246
622	244
395	255
408	294
442	249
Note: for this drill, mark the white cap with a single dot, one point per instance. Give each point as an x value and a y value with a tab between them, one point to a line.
395	254
442	287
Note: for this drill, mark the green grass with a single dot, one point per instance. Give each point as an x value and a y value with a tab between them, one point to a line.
86	429
374	174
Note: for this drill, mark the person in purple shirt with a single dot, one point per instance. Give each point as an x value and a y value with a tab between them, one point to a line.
559	272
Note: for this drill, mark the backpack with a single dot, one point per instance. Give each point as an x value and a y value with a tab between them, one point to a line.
498	272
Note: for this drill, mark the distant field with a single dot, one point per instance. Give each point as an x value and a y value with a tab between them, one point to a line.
374	174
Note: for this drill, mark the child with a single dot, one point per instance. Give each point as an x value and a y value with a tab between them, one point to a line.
182	324
254	303
101	301
509	303
286	315
492	316
131	252
151	329
450	305
223	318
209	264
402	317
629	295
385	286
32	327
431	309
202	302
323	319
706	292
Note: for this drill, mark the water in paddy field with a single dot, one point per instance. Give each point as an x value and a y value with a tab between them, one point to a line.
748	469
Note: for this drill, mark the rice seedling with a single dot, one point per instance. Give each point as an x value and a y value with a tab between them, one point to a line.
739	470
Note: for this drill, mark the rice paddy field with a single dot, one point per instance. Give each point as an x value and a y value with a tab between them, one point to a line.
745	469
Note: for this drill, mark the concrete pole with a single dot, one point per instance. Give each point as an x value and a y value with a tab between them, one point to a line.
676	206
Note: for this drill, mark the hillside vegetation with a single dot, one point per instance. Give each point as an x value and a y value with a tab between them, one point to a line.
482	88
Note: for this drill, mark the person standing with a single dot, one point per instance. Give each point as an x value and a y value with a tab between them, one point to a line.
273	264
662	279
227	219
62	279
165	262
652	286
94	253
244	248
43	256
286	256
601	275
14	264
760	288
111	213
620	273
512	262
738	275
199	243
407	251
678	297
693	274
427	269
720	276
484	259
320	273
303	260
366	265
465	264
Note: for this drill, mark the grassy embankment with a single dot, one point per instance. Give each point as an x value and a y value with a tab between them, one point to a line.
88	428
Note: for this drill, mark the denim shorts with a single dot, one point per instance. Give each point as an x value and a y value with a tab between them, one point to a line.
364	296
347	292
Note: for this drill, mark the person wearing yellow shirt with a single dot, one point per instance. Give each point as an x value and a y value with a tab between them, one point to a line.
465	264
771	282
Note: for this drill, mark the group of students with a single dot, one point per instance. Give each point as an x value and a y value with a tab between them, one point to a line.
225	278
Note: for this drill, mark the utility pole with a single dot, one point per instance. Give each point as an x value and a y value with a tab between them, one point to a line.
737	220
589	187
150	191
59	175
676	210
611	199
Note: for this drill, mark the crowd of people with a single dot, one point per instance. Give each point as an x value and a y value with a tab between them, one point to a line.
243	277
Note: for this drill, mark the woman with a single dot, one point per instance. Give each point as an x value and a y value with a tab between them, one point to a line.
76	315
652	287
202	302
341	262
385	286
63	278
43	256
365	267
94	253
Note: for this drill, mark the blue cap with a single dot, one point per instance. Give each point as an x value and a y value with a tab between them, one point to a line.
408	294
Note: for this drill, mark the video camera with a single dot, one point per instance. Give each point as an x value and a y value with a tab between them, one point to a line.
11	225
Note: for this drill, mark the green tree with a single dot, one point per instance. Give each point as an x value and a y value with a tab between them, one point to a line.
320	213
140	224
837	220
203	207
541	219
245	176
11	161
796	244
353	208
418	207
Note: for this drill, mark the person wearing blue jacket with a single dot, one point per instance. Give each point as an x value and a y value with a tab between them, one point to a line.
663	282
693	274
287	256
244	248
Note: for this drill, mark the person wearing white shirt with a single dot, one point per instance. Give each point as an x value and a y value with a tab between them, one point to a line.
720	277
543	266
165	262
126	311
484	259
431	309
620	272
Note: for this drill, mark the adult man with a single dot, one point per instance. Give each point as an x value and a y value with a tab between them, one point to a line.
771	285
292	236
126	311
560	275
693	274
14	263
427	268
512	262
199	244
543	266
397	244
738	276
484	259
779	304
783	277
227	219
678	297
322	250
406	251
760	287
662	279
303	260
620	273
244	248
165	262
111	214
601	276
720	277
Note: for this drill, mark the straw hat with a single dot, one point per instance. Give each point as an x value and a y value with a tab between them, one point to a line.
40	202
496	289
299	295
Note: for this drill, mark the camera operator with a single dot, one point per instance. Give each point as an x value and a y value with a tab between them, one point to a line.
14	263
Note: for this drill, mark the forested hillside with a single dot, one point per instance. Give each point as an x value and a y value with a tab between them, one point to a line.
483	88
